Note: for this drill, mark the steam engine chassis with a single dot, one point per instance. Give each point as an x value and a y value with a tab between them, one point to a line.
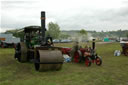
86	55
39	49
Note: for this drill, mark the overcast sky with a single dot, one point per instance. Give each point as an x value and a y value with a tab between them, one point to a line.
69	14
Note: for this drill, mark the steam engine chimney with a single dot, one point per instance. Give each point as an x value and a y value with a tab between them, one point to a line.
43	26
93	44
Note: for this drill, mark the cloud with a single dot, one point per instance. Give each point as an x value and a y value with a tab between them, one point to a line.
69	14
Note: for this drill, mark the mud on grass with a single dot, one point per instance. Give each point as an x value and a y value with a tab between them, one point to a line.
114	70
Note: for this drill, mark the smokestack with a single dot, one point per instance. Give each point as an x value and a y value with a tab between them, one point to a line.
43	26
93	44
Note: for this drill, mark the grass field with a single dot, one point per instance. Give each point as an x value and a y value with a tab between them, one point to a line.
114	70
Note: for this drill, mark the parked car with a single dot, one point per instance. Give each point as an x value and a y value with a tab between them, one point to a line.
66	41
56	41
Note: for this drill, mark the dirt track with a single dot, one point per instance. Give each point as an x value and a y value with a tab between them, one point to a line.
104	42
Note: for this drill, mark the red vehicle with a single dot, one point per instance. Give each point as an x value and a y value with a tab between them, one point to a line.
86	55
124	45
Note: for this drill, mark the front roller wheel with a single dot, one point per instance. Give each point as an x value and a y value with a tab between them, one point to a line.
88	61
98	61
48	60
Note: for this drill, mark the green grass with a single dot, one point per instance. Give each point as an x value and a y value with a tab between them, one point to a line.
114	70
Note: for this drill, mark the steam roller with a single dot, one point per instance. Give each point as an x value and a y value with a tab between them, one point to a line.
37	48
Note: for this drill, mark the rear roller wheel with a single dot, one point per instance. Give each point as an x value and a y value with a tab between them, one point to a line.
21	52
18	52
18	56
37	65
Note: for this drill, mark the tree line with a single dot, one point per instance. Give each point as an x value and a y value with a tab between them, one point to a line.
54	31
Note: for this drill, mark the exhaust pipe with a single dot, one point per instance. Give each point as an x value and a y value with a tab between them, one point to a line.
93	44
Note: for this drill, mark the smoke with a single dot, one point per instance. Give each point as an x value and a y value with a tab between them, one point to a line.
82	38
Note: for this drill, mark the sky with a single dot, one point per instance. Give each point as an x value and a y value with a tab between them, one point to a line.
98	15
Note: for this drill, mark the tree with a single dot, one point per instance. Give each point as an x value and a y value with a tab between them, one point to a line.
64	36
53	30
83	34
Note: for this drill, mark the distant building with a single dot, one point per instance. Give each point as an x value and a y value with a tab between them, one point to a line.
106	39
110	39
8	38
